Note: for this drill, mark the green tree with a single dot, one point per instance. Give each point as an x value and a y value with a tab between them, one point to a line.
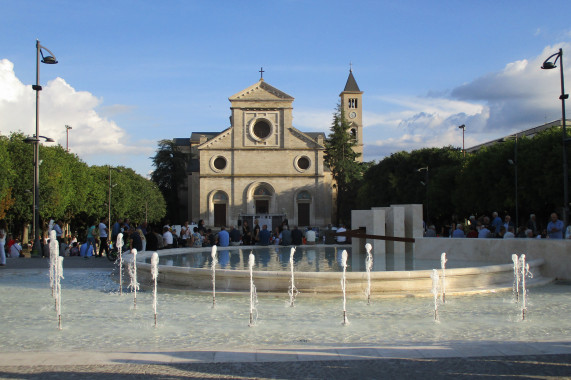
169	175
342	161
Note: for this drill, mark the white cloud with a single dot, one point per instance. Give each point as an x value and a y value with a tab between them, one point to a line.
519	96
60	104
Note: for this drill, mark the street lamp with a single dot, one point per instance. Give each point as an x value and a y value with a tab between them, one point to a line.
50	60
463	128
109	203
425	184
514	163
548	65
67	128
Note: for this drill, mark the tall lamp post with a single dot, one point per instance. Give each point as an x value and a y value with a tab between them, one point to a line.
67	128
547	65
514	163
425	184
50	60
463	128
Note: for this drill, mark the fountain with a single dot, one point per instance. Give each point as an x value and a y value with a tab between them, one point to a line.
253	294
369	266
292	291
134	285
214	262
434	276
120	249
155	274
344	286
443	266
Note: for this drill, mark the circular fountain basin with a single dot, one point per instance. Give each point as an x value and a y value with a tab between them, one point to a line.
483	278
96	318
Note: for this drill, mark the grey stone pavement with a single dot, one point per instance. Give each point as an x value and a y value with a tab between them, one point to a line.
544	360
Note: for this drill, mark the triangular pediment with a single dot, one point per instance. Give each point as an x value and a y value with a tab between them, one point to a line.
306	140
221	141
261	91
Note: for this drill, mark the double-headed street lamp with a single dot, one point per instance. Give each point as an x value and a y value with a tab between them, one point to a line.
50	60
426	185
547	65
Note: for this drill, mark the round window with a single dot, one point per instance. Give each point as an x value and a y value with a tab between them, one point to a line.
303	163
220	163
262	129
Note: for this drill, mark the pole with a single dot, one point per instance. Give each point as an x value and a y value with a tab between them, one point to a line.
564	131
36	249
516	200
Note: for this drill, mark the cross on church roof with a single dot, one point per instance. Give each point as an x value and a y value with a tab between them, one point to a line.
261	73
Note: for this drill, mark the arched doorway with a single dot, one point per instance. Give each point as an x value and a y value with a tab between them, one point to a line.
220	206
262	198
303	201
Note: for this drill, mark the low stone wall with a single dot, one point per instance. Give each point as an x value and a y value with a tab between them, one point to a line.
556	253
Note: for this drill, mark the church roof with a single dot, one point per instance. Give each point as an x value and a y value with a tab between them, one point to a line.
261	91
351	84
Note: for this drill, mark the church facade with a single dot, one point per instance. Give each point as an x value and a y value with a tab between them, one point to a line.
262	167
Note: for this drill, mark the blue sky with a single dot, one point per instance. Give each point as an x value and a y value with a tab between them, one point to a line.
133	72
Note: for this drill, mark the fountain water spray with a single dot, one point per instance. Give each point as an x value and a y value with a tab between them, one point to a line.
293	292
253	294
524	273
58	276
434	276
120	249
155	275
214	262
516	276
134	285
369	266
344	285
54	253
443	261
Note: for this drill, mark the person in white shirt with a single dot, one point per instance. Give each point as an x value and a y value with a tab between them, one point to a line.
167	238
310	236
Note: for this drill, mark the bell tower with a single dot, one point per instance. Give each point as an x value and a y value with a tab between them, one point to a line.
352	106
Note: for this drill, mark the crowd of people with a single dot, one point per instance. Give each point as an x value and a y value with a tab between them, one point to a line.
485	227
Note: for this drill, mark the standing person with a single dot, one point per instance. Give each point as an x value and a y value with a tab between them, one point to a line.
91	235
167	238
246	234
59	232
116	229
555	227
196	238
256	234
496	223
185	234
532	225
135	239
3	233
265	236
103	235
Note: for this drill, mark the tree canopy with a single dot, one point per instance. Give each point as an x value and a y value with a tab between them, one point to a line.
70	189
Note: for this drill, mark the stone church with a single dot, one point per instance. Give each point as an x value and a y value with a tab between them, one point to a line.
262	167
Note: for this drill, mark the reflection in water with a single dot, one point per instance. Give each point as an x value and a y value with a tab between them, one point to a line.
306	259
223	258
